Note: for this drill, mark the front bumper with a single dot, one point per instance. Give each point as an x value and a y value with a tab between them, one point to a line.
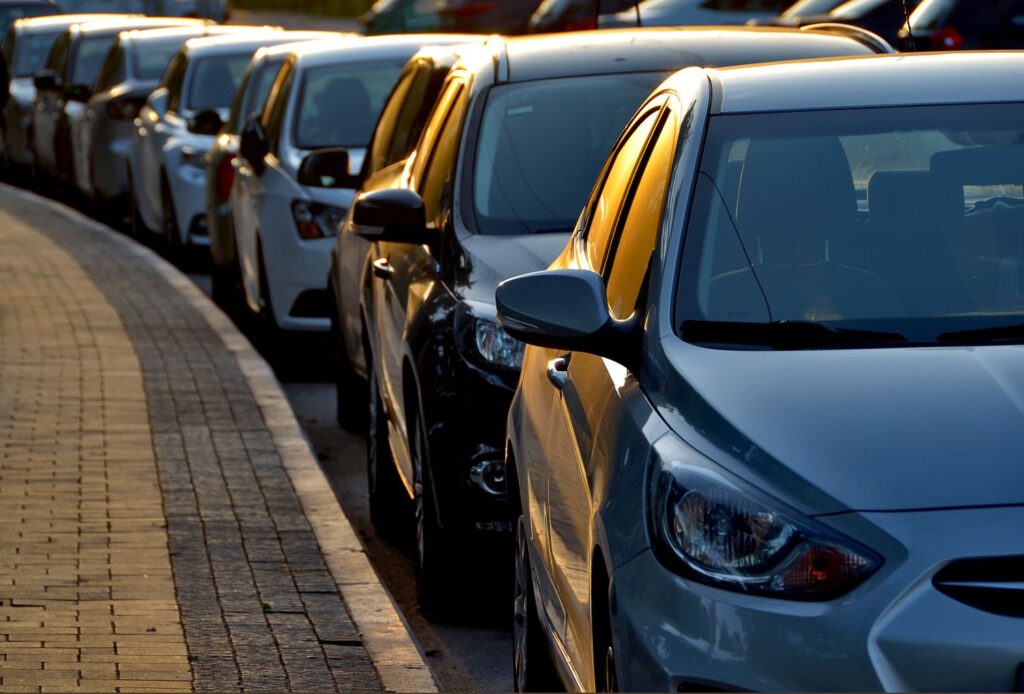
296	271
896	632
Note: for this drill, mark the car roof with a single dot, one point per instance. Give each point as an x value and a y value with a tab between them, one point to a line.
369	48
126	23
611	51
885	80
62	21
286	49
183	31
248	41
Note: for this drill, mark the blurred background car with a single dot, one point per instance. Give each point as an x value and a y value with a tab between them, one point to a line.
400	17
397	131
494	188
130	73
945	25
694	12
485	16
12	10
573	15
216	10
26	47
221	168
64	85
882	17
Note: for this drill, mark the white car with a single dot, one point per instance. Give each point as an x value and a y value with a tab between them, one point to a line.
298	172
178	125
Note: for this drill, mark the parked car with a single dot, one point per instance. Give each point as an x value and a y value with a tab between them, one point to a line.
493	189
130	73
64	86
26	47
177	127
216	10
694	12
882	17
573	15
13	10
299	171
221	166
485	16
400	17
746	415
943	25
399	127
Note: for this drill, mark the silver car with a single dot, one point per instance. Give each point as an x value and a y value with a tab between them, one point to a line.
768	430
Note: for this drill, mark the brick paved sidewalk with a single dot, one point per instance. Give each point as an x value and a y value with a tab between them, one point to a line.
150	536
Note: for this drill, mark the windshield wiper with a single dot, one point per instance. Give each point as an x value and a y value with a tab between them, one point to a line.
787	334
997	333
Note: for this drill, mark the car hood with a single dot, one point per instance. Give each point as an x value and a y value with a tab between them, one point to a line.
874	429
491	260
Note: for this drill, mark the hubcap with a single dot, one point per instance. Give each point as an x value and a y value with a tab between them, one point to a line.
521	606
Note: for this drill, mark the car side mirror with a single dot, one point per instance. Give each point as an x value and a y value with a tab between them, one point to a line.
78	92
207	122
394	215
47	81
253	144
328	168
567	310
158	101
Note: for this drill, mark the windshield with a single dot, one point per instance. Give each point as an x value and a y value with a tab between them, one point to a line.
92	50
542	145
806	8
339	104
9	13
31	51
214	81
151	58
905	221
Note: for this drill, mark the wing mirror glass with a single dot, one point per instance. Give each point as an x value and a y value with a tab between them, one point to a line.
254	145
395	215
207	122
48	81
158	101
567	310
328	168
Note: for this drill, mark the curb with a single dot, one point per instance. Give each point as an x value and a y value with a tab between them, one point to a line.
386	635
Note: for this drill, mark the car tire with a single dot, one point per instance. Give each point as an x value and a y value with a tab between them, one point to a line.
435	567
173	245
532	668
605	670
389	503
225	284
350	390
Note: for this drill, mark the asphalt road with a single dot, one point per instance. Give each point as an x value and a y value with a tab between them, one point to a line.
471	650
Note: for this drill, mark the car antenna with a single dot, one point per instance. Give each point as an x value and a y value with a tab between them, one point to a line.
910	29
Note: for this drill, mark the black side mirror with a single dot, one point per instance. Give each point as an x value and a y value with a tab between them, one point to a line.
395	215
48	81
567	310
78	92
328	168
206	122
254	145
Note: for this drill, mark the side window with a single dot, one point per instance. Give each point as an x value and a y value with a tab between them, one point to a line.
174	80
385	133
112	72
604	211
415	112
277	104
441	167
59	54
8	50
636	241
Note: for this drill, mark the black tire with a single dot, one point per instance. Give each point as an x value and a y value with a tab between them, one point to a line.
436	570
389	502
532	667
351	391
606	673
225	287
173	245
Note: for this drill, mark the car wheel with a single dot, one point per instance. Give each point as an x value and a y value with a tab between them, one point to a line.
226	287
350	389
389	504
172	235
531	660
606	673
434	552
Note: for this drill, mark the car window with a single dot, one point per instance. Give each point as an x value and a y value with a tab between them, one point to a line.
10	38
636	240
257	89
151	58
440	169
435	122
89	56
174	80
604	211
749	6
31	52
59	54
113	70
338	105
277	104
214	81
387	132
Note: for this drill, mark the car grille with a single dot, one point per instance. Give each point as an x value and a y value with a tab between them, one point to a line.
994	584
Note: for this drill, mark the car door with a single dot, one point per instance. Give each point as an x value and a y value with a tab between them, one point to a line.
404	273
49	106
587	387
153	134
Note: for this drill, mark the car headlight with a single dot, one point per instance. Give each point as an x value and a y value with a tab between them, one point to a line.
316	221
715	532
483	341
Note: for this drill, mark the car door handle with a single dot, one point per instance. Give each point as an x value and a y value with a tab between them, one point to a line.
558	371
382	269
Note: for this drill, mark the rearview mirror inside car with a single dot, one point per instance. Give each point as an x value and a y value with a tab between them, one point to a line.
567	310
328	168
207	122
395	215
253	145
47	81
